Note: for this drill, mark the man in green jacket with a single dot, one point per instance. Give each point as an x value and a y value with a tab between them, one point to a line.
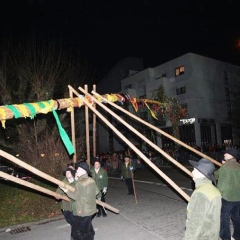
203	211
84	205
66	207
126	174
101	178
228	177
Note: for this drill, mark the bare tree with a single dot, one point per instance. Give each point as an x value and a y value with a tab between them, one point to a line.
32	71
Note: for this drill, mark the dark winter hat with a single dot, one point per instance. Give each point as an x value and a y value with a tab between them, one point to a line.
71	170
84	166
233	152
206	167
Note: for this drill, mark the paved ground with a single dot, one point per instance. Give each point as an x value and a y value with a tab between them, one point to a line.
159	213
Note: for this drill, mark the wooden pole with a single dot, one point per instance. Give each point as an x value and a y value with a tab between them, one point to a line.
134	189
135	149
57	105
33	186
94	128
49	178
73	130
87	130
159	130
141	136
34	170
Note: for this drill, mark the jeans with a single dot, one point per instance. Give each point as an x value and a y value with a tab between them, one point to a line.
230	210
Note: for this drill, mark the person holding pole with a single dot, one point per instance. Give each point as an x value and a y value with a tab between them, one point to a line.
228	176
84	205
204	207
66	207
100	176
126	174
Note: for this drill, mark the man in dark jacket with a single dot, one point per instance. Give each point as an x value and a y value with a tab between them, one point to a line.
84	205
228	177
203	211
101	178
126	174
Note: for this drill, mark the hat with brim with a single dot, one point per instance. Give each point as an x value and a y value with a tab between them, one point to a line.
206	167
84	166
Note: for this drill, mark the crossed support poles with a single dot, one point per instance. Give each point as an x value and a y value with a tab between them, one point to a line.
96	100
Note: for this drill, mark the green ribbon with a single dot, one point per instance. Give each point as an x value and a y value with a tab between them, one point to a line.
63	134
31	109
15	111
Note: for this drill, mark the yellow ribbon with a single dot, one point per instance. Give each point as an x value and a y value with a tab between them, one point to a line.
48	106
36	106
71	103
23	109
114	97
80	103
152	113
3	114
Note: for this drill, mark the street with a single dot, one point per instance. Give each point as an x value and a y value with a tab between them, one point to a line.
159	213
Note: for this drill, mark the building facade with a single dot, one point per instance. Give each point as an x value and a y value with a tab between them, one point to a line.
202	85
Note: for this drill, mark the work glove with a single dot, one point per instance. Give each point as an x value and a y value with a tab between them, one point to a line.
104	190
122	178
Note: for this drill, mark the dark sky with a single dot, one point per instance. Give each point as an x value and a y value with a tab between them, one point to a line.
107	31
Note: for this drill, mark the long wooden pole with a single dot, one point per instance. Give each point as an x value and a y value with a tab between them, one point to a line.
49	178
132	175
87	130
135	149
57	105
159	130
94	129
73	130
33	186
157	148
35	170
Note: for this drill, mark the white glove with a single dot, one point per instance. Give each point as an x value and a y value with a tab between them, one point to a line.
131	168
104	190
64	189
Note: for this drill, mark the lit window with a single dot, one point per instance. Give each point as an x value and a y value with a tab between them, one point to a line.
181	90
179	71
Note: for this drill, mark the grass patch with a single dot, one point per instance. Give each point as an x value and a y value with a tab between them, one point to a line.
21	205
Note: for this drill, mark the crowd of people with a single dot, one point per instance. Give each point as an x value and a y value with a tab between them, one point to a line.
213	204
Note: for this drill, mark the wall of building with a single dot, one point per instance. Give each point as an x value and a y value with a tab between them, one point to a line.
205	82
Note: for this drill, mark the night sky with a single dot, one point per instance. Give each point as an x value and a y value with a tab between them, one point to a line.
107	31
